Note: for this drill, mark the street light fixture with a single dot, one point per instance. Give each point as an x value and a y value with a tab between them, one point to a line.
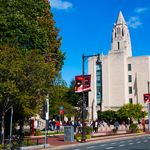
83	93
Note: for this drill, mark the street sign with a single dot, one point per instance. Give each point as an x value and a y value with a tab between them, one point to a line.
146	98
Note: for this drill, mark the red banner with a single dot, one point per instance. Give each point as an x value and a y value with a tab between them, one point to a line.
146	98
82	83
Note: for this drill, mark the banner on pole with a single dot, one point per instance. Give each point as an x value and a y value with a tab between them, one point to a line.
82	83
146	98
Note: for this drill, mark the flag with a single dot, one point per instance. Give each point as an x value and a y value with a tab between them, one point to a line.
82	83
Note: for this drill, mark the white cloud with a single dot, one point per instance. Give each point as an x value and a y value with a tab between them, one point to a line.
141	10
134	22
59	4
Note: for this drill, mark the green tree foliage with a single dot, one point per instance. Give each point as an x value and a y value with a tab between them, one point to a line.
72	97
108	115
57	97
30	25
30	55
132	111
24	79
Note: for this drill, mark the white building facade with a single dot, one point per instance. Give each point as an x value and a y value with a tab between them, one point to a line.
121	78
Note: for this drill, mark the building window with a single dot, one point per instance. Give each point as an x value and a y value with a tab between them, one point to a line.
118	45
130	101
129	67
130	90
118	31
129	78
99	84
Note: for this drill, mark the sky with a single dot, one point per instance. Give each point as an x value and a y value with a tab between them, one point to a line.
86	28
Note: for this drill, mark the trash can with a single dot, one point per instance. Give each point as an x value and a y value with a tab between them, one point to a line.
68	133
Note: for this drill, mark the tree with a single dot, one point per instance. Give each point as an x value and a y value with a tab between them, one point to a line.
24	82
132	111
108	115
72	97
30	54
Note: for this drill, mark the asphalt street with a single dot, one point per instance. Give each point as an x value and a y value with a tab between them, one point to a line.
136	143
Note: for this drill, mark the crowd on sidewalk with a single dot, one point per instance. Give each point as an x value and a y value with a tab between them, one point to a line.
96	125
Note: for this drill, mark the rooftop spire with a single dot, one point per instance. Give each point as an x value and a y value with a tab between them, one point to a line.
120	19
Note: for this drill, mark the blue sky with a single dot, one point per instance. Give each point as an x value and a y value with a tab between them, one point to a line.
86	26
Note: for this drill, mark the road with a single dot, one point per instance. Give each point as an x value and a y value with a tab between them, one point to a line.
134	143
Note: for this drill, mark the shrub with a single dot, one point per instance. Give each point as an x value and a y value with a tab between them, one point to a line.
133	128
88	130
77	136
37	132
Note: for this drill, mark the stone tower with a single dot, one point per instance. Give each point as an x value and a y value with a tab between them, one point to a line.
121	37
117	66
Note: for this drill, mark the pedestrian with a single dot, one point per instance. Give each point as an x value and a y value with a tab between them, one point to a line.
116	125
143	124
57	125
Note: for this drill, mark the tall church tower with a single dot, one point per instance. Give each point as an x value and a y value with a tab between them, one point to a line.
115	84
121	37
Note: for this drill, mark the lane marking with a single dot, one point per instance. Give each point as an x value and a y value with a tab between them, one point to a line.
122	141
145	141
113	143
130	140
103	145
136	139
130	143
90	147
121	145
109	148
138	142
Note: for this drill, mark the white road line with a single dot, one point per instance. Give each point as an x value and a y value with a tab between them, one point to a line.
90	147
130	140
113	143
109	147
130	143
103	145
148	137
122	141
138	142
145	141
76	149
121	145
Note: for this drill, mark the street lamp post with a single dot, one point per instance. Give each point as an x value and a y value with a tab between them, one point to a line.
83	93
148	84
46	117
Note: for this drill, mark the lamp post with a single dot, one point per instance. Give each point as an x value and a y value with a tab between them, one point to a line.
83	93
148	84
46	117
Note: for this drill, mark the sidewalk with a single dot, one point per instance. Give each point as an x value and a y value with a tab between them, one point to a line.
57	142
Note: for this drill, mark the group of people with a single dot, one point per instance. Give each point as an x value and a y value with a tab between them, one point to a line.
95	124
